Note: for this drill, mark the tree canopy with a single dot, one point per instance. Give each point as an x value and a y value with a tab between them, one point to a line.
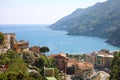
44	49
115	67
1	39
18	66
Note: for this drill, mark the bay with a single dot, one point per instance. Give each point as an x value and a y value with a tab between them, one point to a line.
57	41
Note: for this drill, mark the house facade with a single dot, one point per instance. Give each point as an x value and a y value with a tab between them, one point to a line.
104	60
100	59
61	61
21	46
9	40
83	70
35	49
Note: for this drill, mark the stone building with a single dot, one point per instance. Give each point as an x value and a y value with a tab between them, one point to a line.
9	40
21	46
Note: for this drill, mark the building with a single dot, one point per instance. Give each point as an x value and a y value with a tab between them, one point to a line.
71	62
61	61
35	49
100	59
9	40
48	72
21	46
83	70
91	57
104	60
4	67
11	43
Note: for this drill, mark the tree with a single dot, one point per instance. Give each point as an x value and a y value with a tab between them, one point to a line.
104	50
115	67
44	49
42	61
1	39
17	69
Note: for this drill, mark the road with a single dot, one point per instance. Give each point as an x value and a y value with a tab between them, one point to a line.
68	77
101	76
104	75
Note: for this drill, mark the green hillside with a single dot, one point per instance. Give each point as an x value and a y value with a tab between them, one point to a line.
101	20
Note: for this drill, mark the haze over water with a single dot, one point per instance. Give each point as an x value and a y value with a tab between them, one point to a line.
57	41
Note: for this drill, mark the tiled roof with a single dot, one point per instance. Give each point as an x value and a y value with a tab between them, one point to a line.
60	54
72	62
85	65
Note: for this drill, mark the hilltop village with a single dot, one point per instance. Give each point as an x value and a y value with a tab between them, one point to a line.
31	63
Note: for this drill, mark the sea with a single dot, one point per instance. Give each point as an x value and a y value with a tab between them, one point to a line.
57	41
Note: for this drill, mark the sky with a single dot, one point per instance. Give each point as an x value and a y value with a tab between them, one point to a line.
39	11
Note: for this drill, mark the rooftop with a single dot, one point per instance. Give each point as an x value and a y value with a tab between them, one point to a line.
72	62
9	34
60	54
22	42
84	65
105	55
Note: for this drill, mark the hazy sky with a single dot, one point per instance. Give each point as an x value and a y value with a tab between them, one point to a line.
39	11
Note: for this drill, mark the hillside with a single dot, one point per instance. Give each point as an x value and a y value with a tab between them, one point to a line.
101	20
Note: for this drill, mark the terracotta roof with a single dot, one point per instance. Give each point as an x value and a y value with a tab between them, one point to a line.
72	62
52	55
60	54
35	49
84	65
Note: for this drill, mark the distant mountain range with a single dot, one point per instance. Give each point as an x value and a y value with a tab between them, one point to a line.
101	20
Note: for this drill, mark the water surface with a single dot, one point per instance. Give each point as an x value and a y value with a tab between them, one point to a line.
57	41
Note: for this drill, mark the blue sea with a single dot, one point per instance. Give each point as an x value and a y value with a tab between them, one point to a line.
57	41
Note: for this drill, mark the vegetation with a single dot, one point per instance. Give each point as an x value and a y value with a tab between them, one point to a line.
41	62
105	50
115	67
19	67
44	49
76	56
1	39
114	39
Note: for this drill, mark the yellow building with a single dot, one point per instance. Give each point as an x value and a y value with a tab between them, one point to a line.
104	60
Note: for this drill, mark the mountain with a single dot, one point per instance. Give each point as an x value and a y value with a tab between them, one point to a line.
101	20
71	20
114	39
